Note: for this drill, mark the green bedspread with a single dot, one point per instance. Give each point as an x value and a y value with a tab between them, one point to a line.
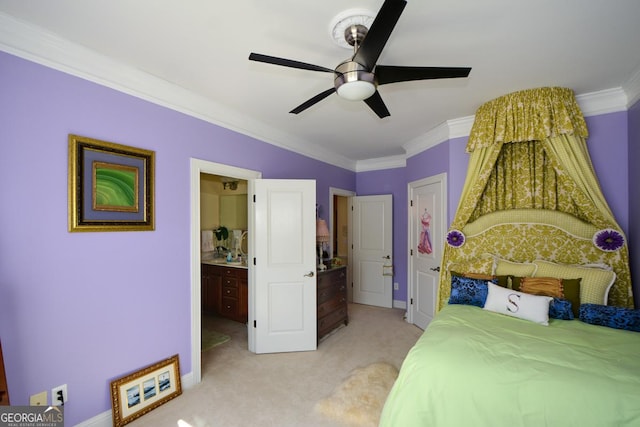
476	368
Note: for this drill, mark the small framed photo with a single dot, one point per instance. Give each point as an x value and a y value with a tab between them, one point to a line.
111	186
139	392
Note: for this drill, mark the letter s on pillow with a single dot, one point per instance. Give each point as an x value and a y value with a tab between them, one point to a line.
518	304
512	303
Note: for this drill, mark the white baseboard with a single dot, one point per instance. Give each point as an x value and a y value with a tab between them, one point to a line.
399	304
105	419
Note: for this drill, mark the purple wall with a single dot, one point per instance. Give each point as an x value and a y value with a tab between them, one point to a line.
608	146
84	308
634	197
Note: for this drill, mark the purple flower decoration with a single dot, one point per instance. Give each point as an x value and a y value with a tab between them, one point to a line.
455	238
608	240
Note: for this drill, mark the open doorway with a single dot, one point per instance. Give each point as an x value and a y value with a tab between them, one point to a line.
339	227
223	259
197	168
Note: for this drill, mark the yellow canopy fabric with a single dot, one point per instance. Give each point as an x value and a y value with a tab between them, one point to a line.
547	167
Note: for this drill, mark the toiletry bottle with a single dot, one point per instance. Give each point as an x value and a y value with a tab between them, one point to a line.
229	257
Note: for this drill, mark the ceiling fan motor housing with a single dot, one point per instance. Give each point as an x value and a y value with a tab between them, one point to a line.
353	81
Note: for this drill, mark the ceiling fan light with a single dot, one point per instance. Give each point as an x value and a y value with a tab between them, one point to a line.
357	90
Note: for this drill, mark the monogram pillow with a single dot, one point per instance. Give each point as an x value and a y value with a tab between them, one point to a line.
518	304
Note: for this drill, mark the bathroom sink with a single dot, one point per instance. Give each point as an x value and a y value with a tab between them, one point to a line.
215	260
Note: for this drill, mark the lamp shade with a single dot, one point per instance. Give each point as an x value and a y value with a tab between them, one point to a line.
322	231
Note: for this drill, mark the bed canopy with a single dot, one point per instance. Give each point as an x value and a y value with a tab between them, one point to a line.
531	192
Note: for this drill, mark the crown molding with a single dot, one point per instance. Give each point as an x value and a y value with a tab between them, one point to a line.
632	89
454	128
390	162
602	102
37	45
34	44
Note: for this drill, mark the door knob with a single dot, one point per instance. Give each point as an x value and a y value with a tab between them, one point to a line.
309	274
435	269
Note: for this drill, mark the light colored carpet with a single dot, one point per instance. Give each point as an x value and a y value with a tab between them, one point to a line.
243	389
210	339
358	401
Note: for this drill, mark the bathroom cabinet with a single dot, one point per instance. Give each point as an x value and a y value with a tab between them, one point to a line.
225	291
332	300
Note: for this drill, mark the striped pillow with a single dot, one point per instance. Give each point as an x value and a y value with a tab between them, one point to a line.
595	283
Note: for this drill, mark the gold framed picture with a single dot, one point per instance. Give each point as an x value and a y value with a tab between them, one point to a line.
137	393
111	186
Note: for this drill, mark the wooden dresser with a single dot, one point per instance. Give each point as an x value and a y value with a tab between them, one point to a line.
4	390
225	291
332	300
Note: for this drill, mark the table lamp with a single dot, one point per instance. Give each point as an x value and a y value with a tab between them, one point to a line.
322	236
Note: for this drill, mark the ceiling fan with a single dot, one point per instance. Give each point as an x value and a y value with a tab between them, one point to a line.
358	77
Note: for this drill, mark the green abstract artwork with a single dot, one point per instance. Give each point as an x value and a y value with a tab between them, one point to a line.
115	187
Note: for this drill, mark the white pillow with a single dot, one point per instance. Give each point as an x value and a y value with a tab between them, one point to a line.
518	304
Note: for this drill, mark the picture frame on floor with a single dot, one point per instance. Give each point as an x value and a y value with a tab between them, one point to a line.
137	393
111	186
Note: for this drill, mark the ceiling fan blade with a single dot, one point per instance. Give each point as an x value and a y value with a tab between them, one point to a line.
379	33
376	103
287	62
319	97
391	74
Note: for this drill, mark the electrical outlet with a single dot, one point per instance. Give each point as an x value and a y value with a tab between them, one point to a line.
395	286
39	399
59	395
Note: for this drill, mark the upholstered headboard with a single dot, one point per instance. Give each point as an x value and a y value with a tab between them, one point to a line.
526	235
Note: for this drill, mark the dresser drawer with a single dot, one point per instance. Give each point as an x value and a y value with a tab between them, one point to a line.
230	272
331	321
331	305
230	290
229	306
229	281
332	300
326	294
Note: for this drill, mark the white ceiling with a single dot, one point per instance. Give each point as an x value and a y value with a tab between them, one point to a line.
192	55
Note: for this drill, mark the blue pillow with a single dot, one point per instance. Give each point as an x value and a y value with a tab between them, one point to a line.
561	308
612	317
468	291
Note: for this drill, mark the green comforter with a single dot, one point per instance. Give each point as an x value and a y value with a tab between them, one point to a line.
476	368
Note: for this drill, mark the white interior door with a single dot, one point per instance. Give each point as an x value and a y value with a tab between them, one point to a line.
282	294
372	243
427	225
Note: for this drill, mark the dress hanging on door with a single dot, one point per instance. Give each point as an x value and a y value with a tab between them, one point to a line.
424	246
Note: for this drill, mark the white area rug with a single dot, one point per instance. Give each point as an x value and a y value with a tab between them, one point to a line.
358	401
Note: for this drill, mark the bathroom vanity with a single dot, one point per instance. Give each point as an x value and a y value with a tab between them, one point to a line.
332	300
225	290
225	293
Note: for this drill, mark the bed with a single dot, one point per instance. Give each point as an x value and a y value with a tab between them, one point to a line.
535	323
477	368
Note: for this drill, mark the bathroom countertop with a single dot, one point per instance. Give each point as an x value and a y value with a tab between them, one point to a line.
223	263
